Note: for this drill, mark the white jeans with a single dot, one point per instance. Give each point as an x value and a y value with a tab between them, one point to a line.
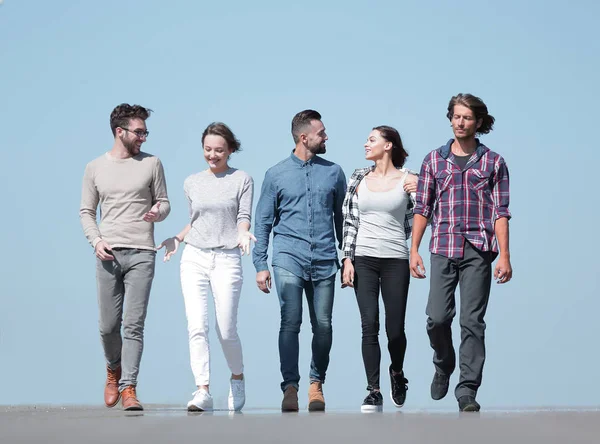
219	271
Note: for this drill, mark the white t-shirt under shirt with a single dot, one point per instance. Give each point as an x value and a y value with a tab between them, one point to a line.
218	203
381	231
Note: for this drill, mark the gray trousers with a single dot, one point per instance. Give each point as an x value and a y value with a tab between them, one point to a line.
474	274
124	285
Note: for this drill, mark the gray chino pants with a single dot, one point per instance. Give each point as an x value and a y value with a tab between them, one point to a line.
474	275
124	286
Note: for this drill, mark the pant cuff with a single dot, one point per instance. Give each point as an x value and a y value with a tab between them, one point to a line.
284	386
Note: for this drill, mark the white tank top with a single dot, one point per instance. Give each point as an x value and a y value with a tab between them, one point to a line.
381	228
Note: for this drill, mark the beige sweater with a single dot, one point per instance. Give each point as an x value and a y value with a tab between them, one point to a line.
125	189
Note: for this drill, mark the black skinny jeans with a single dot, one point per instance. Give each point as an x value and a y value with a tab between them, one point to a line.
393	276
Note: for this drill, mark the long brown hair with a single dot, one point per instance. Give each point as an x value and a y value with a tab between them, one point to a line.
476	105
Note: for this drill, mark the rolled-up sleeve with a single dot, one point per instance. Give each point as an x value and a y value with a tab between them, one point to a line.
425	196
501	190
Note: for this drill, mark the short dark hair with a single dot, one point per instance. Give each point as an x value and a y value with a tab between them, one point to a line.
220	129
476	105
301	121
392	135
123	113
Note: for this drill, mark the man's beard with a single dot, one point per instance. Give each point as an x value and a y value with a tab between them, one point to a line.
319	149
131	147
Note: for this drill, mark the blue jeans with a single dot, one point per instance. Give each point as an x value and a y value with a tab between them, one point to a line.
319	295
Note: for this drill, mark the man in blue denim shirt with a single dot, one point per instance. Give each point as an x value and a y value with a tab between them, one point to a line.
301	201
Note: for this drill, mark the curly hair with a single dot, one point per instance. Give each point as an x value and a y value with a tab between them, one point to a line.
124	112
476	105
220	129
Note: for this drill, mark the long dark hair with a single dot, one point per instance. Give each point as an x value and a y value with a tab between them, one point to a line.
391	135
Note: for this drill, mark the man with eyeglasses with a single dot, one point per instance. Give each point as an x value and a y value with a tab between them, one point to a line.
129	185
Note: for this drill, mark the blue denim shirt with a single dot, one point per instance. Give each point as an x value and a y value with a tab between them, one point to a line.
302	203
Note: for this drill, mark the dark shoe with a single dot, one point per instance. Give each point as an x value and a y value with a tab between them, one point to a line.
398	388
290	400
316	401
130	401
468	404
111	388
373	402
439	386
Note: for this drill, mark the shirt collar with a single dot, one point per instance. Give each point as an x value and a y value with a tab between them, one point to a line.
299	162
447	149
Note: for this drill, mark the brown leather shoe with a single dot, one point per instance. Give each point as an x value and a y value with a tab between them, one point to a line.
129	399
316	401
290	400
111	389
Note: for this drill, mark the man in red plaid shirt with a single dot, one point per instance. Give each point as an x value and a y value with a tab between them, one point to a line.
464	188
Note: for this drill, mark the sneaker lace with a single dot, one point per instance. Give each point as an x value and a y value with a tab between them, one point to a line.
111	376
129	392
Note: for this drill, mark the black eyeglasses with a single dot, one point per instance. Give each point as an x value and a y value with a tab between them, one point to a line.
138	133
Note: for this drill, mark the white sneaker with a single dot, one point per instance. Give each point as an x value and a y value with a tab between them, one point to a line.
202	402
237	394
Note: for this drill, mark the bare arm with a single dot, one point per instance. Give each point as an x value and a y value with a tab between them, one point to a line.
503	270
424	199
171	244
183	233
417	268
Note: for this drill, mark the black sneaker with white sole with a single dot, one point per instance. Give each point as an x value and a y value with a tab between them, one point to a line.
373	402
398	388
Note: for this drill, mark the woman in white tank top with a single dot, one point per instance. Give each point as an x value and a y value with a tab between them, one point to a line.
377	222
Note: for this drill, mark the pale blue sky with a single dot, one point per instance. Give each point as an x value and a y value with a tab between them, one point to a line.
65	65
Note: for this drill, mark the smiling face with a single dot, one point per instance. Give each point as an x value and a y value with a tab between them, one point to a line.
464	124
216	153
316	137
376	146
130	137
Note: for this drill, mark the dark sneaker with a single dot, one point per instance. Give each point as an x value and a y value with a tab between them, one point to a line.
373	402
439	386
398	388
468	404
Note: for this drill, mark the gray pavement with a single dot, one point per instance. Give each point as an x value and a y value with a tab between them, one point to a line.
169	424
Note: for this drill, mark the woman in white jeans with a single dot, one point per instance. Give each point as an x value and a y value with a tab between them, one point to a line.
220	203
